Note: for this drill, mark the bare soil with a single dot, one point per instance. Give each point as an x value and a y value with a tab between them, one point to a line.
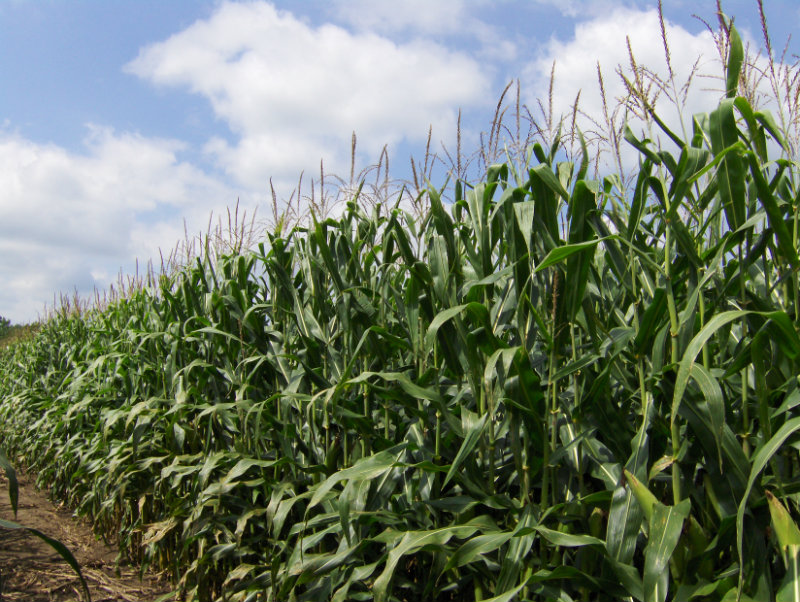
32	571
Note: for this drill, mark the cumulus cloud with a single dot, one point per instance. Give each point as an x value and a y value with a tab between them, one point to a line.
574	8
289	93
595	8
603	41
459	21
292	93
69	220
416	16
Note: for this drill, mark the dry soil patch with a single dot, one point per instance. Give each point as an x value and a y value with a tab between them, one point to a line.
32	571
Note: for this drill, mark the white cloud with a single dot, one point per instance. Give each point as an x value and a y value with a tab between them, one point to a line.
595	8
66	219
573	8
603	40
292	93
457	21
418	16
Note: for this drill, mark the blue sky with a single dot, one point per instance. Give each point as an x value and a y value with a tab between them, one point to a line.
121	121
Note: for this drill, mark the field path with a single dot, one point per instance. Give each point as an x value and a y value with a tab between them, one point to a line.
32	571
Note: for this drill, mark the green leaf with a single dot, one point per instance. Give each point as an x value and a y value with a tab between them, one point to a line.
693	349
767	121
644	496
410	542
549	179
624	521
476	548
716	403
561	253
244	464
524	213
665	531
581	205
507	596
760	460
366	468
789	540
473	429
518	550
735	60
568	540
639	200
758	140
641	145
785	528
737	146
628	577
730	172
401	379
572	367
776	219
653	317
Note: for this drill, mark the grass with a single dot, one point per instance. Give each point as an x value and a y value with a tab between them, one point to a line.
557	386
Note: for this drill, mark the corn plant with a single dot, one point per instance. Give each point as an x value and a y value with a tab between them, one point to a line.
551	388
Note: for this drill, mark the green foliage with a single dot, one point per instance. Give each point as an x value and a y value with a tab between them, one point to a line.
5	327
552	389
11	333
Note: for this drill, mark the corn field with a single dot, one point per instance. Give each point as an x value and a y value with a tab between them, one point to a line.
552	388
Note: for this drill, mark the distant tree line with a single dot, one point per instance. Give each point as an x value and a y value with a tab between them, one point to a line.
5	327
11	332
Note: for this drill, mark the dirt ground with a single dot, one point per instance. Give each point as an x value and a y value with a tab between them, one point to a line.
31	571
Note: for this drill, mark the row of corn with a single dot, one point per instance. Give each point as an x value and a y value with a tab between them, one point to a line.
552	388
